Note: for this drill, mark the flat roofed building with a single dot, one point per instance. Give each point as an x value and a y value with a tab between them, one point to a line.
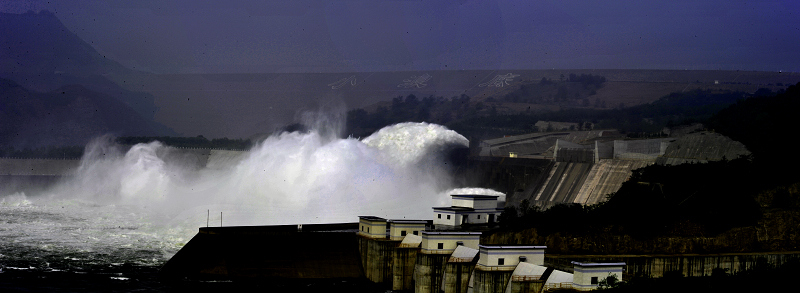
468	209
400	228
372	227
506	258
446	242
587	276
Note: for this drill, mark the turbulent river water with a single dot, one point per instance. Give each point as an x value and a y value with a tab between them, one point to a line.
124	214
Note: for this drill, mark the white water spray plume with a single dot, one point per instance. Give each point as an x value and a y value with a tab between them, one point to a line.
288	178
155	197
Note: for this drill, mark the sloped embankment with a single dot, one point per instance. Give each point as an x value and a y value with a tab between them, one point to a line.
702	147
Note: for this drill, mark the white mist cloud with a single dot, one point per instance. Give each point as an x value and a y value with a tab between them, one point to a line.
154	197
288	178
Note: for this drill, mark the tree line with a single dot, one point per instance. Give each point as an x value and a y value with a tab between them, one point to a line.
638	121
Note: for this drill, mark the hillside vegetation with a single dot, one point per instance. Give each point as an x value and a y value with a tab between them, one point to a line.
482	119
69	115
744	205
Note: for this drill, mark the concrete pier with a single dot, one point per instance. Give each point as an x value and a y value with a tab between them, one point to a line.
428	272
521	285
458	270
377	258
490	281
456	277
403	267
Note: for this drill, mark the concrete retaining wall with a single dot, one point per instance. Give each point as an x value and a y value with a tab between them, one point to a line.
640	150
687	265
577	155
696	266
702	147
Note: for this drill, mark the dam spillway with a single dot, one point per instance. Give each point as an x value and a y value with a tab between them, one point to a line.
438	261
584	167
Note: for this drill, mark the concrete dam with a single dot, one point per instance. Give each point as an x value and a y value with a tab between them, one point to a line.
584	167
419	260
545	168
423	259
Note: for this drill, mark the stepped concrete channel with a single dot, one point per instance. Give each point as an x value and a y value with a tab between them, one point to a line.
587	166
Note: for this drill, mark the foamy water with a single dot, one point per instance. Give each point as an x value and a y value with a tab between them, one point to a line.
137	206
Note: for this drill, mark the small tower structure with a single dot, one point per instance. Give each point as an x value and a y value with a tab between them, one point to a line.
446	242
588	275
500	258
372	227
468	209
398	229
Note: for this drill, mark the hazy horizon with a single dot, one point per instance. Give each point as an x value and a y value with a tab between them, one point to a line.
369	49
379	36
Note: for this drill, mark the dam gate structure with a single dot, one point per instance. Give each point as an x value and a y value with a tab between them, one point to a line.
584	167
435	261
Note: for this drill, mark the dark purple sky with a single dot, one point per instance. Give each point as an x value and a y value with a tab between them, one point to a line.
192	36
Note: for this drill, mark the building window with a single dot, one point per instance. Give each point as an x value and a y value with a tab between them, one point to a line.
402	233
594	280
501	261
416	232
441	245
440	216
479	217
448	217
367	229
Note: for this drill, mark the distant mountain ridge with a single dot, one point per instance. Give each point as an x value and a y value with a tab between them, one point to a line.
40	53
248	105
70	115
49	73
